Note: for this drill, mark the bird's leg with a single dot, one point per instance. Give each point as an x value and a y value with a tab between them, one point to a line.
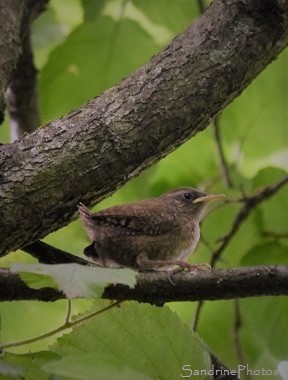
192	267
145	263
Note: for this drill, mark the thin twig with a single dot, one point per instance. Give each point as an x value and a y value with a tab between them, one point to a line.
201	6
65	326
68	315
276	235
250	203
206	244
223	162
221	372
216	129
236	336
196	318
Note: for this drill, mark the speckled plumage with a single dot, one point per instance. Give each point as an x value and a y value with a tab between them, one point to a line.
156	233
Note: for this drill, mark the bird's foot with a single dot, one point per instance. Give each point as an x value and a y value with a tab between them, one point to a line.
183	265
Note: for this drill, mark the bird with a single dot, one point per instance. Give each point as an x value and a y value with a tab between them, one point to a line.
152	234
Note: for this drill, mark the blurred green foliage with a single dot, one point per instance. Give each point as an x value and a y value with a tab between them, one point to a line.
83	48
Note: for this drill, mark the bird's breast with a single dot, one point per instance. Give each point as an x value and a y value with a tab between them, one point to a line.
190	242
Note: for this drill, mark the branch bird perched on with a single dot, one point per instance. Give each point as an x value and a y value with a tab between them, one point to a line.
152	234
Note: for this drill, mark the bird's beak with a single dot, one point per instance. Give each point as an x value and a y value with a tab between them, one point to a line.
209	198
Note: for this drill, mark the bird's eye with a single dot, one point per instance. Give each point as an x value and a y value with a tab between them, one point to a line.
188	195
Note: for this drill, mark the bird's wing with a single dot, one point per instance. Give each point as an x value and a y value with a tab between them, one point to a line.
133	225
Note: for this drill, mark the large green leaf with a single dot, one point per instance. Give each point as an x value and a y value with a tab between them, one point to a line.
93	58
92	8
144	338
265	319
255	123
131	342
92	367
214	327
265	328
53	26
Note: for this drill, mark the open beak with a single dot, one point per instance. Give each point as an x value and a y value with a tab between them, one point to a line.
209	198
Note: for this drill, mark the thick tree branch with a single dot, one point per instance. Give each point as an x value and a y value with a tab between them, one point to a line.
15	18
12	288
21	95
12	13
46	254
91	152
157	288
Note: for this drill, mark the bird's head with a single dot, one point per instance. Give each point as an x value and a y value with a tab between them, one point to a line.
189	201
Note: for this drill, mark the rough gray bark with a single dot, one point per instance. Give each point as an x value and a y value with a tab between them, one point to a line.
15	19
215	285
91	151
12	14
21	95
158	288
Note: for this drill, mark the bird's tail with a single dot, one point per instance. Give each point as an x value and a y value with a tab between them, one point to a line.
84	212
86	217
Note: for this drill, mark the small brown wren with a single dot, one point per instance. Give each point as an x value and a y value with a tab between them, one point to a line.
152	234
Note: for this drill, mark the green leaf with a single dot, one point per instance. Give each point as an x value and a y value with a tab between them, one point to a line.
174	15
274	210
75	280
90	367
144	338
34	280
10	369
266	253
92	9
267	177
102	57
52	28
215	322
21	320
254	125
265	321
30	364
